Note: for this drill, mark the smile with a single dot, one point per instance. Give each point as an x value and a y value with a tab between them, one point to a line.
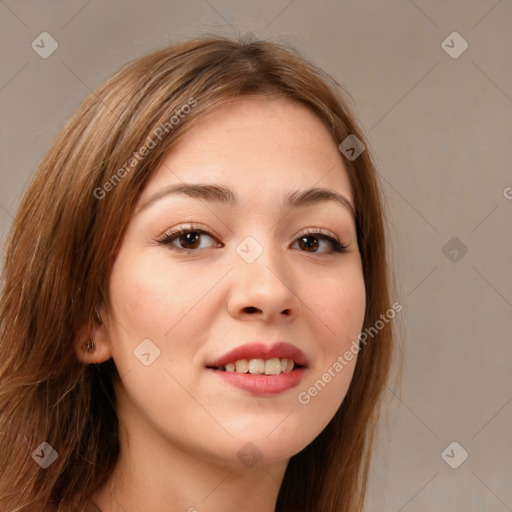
261	369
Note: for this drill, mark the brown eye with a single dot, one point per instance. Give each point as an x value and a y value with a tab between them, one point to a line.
309	243
186	239
190	240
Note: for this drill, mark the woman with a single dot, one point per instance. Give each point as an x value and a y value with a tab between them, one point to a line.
195	289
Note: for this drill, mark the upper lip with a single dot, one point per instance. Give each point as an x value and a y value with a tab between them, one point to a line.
261	350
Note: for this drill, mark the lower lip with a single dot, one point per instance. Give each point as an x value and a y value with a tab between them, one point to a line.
263	385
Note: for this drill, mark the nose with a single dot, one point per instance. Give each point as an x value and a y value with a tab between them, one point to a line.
263	289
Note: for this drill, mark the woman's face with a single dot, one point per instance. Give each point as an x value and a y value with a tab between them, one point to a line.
251	268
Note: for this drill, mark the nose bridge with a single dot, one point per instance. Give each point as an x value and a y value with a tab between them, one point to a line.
261	280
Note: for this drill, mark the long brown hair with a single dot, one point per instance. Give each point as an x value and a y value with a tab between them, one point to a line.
65	238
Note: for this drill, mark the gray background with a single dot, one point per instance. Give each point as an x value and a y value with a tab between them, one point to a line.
441	128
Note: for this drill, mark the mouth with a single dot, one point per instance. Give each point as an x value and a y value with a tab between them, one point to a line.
262	369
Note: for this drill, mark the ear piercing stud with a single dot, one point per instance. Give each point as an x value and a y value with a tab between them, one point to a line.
89	347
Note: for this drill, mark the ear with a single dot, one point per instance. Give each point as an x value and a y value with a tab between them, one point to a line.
94	335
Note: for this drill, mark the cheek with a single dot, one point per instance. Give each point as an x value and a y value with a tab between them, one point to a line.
339	304
153	301
340	308
152	298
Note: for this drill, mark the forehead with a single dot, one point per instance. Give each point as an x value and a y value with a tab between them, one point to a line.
256	146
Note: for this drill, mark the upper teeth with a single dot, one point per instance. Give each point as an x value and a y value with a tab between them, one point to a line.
272	366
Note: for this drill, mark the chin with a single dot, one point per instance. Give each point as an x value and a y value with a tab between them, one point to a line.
253	448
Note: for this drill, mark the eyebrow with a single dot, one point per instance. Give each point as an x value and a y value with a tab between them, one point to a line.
219	194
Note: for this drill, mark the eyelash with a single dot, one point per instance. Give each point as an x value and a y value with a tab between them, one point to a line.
175	233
